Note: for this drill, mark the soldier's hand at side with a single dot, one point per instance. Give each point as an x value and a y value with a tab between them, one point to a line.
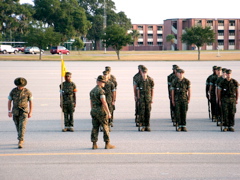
9	114
109	115
113	103
236	102
29	115
173	103
74	104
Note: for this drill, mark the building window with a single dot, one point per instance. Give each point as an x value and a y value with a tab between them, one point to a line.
220	33
209	44
159	28
140	43
150	36
150	43
140	28
231	33
209	23
220	42
159	36
159	43
231	42
220	23
198	23
231	23
150	28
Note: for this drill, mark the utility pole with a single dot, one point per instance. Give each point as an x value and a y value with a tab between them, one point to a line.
105	24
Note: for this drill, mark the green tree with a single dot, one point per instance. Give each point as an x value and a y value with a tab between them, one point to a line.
135	35
116	37
199	36
170	38
66	16
78	43
42	38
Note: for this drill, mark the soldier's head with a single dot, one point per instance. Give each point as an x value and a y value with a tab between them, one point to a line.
228	74
144	72
224	72
214	68
140	67
106	75
219	71
68	76
108	68
174	68
20	82
101	80
180	73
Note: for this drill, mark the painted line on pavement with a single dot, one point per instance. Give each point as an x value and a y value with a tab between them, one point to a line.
166	153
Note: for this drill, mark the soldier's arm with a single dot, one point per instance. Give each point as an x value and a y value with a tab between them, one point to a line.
91	103
237	96
9	108
152	92
209	91
30	109
219	96
105	106
189	94
172	96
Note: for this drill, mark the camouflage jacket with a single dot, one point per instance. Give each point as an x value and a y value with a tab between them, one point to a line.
95	96
67	91
213	80
109	88
170	79
218	81
114	80
136	78
145	88
20	98
180	88
228	88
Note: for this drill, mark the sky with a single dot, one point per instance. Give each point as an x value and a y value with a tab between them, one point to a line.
156	11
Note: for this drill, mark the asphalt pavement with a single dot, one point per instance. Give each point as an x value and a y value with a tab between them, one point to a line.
204	152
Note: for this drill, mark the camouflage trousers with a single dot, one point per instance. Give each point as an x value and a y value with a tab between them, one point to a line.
68	110
97	121
181	108
213	105
229	110
111	109
20	123
144	112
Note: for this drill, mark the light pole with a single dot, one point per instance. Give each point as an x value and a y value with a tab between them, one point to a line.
105	24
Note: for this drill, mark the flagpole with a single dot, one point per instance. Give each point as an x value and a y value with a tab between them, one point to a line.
61	95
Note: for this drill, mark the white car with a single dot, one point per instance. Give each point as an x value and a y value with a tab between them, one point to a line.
32	50
8	49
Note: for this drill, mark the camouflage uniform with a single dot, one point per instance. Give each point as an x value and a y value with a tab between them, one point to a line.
109	88
181	99
99	116
145	88
212	82
68	91
136	78
228	100
20	100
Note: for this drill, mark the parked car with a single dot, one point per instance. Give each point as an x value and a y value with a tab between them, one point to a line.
20	48
8	49
59	50
32	50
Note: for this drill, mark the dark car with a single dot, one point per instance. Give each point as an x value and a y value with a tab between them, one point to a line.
20	48
59	50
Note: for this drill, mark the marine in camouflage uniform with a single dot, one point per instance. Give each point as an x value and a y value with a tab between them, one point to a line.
22	107
170	78
219	109
114	80
100	113
136	78
110	93
181	94
145	91
214	68
68	101
212	93
228	95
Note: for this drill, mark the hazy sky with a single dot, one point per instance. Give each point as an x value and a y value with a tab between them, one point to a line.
155	11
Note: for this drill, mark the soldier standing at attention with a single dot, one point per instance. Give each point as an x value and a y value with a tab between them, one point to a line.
170	78
228	95
114	80
22	101
68	101
212	93
136	78
181	94
145	92
214	68
110	93
100	113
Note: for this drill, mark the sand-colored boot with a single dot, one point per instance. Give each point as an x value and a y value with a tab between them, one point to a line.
20	144
94	145
109	146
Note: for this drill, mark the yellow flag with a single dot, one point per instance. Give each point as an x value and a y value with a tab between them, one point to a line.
64	69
